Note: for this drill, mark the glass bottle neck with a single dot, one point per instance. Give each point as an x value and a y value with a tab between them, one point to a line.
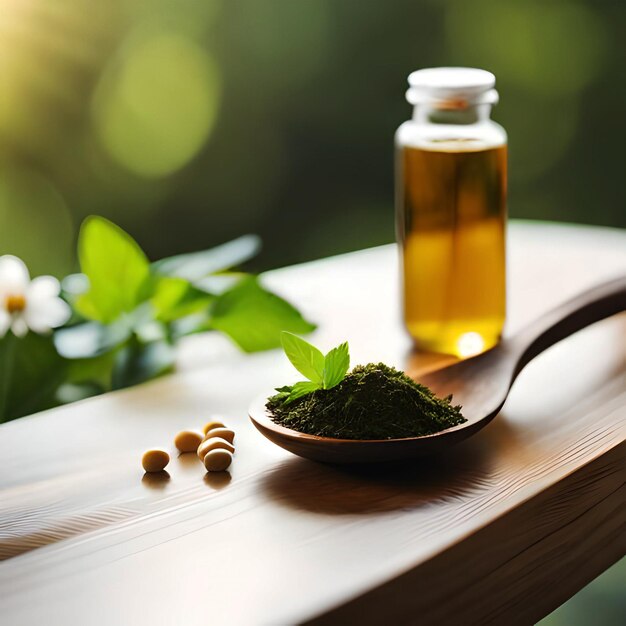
429	114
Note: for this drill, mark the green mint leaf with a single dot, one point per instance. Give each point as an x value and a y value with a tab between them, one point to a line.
336	364
284	389
117	269
283	392
254	317
197	265
302	389
306	358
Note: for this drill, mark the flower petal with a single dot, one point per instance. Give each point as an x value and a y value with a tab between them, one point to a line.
19	326
5	322
42	314
43	287
14	277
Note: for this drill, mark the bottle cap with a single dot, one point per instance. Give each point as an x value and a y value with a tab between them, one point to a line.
452	87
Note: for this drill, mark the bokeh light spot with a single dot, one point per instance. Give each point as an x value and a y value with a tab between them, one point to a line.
35	223
156	105
549	48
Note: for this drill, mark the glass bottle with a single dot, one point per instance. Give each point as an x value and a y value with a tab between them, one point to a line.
451	180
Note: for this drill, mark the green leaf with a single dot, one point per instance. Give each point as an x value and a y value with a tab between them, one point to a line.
90	339
306	358
254	317
302	389
117	269
168	292
174	298
217	284
137	363
73	392
336	365
197	265
94	371
31	371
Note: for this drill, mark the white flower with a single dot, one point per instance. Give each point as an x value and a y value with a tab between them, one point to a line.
28	304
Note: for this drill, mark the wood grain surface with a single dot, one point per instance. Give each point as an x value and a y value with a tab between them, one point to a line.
501	529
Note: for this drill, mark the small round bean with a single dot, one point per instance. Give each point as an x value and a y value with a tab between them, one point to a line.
210	425
224	433
155	460
213	443
188	440
217	460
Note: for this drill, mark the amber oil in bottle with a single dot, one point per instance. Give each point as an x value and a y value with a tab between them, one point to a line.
451	165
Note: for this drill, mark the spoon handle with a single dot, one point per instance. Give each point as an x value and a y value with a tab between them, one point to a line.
590	306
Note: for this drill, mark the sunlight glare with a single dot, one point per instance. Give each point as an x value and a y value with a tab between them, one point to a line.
470	344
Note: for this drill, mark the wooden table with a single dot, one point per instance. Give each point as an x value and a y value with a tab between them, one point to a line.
502	529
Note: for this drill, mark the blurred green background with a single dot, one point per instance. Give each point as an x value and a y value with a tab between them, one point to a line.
189	122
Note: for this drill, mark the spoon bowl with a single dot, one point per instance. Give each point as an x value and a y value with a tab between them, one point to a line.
479	384
332	450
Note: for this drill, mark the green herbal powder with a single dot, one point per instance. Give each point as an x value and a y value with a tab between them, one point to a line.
373	401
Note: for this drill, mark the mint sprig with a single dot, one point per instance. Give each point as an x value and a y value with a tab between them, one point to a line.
323	372
336	364
306	358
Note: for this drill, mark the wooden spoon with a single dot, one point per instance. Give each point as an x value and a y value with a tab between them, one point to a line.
480	384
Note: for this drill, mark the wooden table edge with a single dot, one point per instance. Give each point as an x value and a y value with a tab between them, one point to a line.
590	501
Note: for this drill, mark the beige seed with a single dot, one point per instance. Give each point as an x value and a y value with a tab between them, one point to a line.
217	460
211	425
214	443
188	440
155	460
224	433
